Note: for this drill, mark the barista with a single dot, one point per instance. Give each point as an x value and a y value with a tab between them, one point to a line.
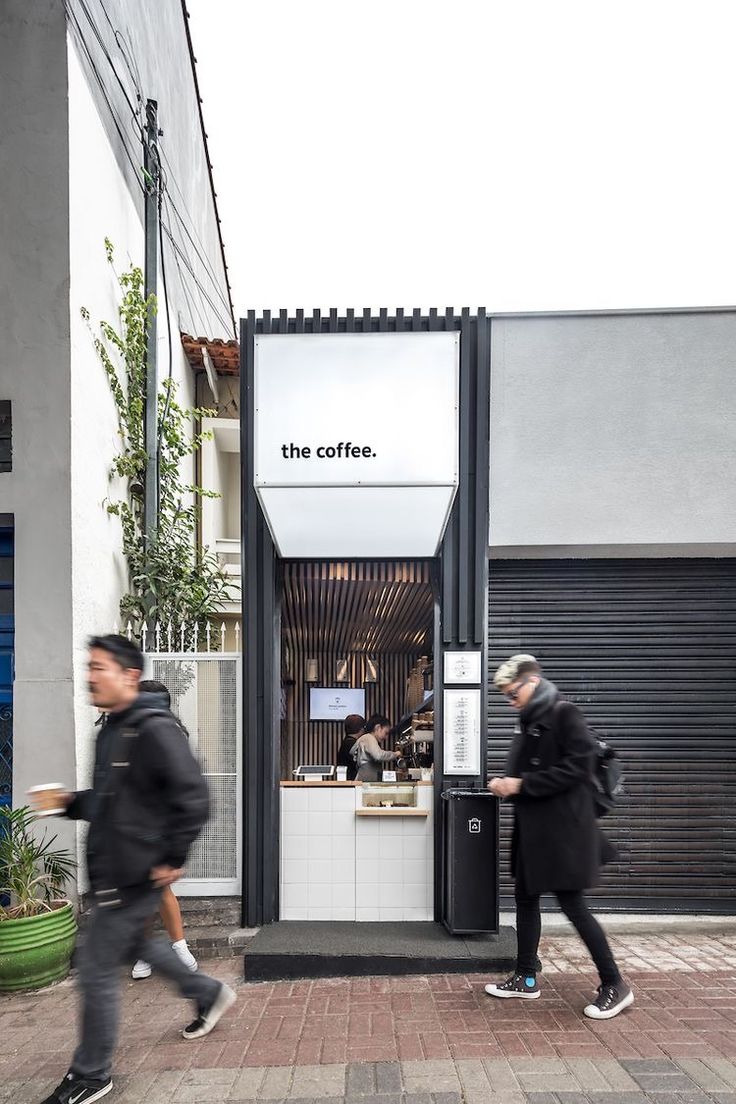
354	727
367	751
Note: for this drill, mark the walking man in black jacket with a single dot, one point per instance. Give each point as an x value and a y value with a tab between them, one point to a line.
557	845
147	805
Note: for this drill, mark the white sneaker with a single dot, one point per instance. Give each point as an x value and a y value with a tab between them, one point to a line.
141	970
185	954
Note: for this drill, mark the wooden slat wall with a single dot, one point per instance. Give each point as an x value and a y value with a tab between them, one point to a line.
334	611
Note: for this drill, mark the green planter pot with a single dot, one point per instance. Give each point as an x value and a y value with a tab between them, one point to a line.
36	950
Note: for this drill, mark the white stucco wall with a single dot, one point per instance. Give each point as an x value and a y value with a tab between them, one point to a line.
613	435
99	206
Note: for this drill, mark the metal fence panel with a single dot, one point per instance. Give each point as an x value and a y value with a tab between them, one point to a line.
205	690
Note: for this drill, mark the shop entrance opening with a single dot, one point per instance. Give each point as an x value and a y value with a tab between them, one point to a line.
357	639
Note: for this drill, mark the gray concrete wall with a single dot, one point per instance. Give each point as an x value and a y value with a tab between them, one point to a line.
35	376
154	34
614	435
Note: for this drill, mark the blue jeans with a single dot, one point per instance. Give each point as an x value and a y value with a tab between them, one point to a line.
113	937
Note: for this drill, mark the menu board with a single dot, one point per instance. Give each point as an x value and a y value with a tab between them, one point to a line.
462	732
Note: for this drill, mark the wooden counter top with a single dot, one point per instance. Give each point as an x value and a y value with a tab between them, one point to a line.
396	810
304	785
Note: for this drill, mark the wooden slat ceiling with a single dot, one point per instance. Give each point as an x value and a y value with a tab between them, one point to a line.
367	607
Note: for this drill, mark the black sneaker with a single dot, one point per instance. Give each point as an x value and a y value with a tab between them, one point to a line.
79	1090
611	1000
208	1018
523	986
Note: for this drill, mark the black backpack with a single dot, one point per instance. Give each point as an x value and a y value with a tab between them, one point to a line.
608	776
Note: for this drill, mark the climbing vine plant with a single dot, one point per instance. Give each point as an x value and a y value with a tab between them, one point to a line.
171	580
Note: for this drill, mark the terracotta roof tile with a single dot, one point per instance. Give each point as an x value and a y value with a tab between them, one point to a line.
225	354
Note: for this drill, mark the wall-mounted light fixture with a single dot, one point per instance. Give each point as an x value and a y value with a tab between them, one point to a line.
312	672
342	674
370	671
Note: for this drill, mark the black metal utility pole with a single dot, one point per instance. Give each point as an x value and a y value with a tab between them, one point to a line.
152	181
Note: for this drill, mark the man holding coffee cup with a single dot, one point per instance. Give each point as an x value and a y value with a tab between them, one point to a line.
147	805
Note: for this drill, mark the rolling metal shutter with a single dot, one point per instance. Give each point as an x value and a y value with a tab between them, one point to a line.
647	648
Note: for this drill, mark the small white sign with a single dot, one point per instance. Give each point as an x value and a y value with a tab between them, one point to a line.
463	668
389	776
461	732
474	826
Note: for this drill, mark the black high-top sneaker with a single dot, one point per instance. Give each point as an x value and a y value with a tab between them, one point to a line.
611	1000
523	986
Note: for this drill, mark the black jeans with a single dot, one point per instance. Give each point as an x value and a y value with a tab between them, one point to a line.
572	903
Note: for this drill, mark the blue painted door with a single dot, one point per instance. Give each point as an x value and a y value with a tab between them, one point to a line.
7	633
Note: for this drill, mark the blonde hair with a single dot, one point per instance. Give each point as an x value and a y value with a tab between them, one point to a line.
517	665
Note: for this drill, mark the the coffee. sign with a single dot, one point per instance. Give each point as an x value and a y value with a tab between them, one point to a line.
345	449
356	441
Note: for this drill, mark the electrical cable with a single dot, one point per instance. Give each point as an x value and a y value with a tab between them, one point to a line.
194	316
167	404
226	323
91	62
136	114
126	53
202	251
204	261
198	289
137	169
101	42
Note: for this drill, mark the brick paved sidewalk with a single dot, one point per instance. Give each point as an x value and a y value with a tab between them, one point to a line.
418	1040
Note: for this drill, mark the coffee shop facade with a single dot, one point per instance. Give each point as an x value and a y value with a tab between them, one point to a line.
423	495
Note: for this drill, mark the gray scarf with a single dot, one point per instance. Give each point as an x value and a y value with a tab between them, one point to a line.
541	701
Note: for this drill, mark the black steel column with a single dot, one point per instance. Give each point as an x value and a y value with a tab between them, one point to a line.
461	612
261	674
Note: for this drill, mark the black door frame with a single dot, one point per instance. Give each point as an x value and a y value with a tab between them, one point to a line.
462	580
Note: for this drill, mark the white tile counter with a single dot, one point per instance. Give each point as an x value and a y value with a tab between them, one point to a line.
339	866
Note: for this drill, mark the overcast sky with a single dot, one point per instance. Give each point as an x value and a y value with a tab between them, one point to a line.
518	156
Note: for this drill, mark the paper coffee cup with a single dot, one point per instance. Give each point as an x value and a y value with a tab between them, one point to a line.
45	799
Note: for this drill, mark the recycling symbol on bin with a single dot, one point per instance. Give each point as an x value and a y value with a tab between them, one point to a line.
474	826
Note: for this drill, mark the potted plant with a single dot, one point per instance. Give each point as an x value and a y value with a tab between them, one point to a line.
37	924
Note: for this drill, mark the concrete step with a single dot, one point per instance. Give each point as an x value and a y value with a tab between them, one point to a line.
206	912
340	948
218	941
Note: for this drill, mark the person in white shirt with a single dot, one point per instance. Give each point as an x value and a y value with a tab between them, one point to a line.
367	751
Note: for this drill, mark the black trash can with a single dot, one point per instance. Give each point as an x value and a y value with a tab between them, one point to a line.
470	904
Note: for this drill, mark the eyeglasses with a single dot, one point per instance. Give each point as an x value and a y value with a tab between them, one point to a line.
512	694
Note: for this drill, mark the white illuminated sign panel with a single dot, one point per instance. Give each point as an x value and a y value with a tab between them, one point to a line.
356	441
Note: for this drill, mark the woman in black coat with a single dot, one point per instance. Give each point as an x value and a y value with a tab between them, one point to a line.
557	846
